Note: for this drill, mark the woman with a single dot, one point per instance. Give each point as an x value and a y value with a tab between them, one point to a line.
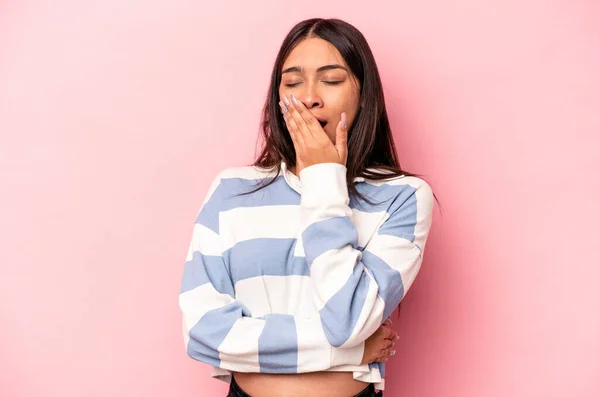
297	262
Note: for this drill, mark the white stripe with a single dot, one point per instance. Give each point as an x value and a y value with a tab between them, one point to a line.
246	223
335	266
196	302
399	181
204	241
295	304
425	202
253	292
371	313
313	347
282	222
239	349
299	249
400	254
367	222
323	211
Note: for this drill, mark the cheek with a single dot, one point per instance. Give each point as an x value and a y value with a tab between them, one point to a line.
350	97
350	105
282	90
343	102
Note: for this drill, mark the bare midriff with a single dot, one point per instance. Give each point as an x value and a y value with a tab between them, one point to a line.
314	384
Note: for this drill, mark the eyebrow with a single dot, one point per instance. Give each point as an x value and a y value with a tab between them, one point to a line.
298	69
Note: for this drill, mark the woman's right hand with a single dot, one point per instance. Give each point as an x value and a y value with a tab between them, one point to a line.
380	345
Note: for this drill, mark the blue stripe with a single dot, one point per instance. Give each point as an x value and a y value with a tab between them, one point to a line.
225	198
202	269
208	334
400	201
391	288
340	314
380	366
264	257
385	197
402	221
333	233
278	345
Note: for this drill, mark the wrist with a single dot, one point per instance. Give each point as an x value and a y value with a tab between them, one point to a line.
324	181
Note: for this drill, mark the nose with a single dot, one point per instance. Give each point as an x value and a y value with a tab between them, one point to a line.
309	96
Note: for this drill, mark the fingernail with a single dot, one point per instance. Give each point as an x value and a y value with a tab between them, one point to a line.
296	102
344	126
284	108
392	352
286	101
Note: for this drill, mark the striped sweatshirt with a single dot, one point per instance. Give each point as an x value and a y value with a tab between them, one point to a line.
296	276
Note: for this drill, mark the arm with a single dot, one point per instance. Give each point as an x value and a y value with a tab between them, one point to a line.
220	330
354	289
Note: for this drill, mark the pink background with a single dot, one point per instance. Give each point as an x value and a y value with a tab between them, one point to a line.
115	115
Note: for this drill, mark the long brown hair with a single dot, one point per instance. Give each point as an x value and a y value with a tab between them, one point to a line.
371	149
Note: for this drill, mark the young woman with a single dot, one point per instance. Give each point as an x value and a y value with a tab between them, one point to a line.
297	262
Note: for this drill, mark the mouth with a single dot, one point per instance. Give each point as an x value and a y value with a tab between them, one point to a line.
321	121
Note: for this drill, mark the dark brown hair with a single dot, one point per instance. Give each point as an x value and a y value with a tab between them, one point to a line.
371	149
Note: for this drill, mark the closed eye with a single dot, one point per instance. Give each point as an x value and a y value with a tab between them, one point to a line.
326	82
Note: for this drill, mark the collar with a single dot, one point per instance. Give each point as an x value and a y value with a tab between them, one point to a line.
290	178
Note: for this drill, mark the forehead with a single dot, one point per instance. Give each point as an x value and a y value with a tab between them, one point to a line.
312	53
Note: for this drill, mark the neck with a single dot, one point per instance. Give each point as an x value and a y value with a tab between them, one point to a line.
292	170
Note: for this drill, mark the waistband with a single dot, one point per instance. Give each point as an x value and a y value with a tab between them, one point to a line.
236	391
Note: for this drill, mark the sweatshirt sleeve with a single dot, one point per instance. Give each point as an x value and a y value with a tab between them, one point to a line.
357	288
219	330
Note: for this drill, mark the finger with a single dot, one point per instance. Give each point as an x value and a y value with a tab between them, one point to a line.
387	322
341	144
389	333
381	359
303	118
285	113
291	126
391	353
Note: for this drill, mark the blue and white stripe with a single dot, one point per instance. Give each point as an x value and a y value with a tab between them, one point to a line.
293	278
